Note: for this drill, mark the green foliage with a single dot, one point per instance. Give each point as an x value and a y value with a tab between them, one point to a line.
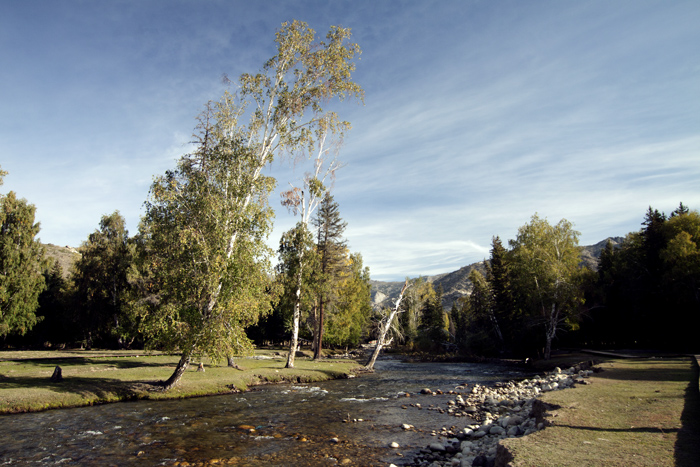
433	327
57	326
100	285
21	265
349	317
297	262
649	288
287	95
418	293
547	278
204	233
331	250
207	219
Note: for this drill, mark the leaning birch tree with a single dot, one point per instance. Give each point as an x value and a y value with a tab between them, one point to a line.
205	219
385	324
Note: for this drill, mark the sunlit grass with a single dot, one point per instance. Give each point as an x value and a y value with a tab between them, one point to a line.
102	376
631	415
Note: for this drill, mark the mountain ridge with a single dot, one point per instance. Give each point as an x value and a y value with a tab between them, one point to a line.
456	284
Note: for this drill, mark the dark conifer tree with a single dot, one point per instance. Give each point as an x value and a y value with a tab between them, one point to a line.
499	277
331	249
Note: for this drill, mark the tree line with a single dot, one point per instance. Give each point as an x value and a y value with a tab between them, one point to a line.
537	293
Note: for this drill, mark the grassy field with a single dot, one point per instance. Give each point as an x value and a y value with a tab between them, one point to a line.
94	377
638	412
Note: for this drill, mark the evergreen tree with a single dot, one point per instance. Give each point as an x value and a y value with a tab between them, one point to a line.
21	265
459	321
649	285
349	319
499	277
56	324
331	249
101	285
433	324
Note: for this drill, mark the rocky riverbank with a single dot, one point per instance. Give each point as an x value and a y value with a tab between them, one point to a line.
490	414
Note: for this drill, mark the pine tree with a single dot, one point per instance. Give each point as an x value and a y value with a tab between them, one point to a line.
433	326
499	277
331	249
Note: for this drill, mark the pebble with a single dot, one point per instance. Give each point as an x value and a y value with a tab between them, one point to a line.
510	414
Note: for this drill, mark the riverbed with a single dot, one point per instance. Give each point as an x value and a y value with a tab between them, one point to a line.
341	422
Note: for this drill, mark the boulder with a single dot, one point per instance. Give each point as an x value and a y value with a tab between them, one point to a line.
437	447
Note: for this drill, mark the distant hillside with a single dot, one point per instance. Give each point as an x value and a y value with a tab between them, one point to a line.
65	255
591	253
456	284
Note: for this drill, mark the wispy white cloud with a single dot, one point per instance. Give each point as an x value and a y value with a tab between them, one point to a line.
477	114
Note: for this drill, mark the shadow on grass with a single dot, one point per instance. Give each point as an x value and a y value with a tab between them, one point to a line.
623	430
686	450
648	370
120	363
91	389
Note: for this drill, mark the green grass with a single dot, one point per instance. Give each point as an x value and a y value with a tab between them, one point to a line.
640	412
95	377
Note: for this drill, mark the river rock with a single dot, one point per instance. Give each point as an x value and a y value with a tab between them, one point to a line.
514	431
394	445
437	447
497	430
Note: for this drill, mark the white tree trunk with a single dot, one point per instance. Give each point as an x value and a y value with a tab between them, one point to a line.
294	344
384	327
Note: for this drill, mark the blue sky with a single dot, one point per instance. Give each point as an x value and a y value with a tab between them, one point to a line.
477	114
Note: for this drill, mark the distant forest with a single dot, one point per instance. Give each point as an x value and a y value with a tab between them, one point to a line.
531	296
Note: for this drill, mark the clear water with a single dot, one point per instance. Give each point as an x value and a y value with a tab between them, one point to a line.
280	425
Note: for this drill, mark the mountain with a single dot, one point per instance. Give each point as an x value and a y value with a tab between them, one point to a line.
456	284
65	255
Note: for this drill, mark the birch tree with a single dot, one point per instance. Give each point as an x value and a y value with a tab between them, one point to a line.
206	220
303	201
385	324
547	275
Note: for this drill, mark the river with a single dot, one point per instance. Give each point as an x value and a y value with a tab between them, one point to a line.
341	422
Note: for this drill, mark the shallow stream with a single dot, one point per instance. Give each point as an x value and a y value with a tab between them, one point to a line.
341	422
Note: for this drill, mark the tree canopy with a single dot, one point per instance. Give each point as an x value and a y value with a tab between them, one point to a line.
21	265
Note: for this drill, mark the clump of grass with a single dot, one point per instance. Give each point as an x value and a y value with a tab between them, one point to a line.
102	377
631	415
